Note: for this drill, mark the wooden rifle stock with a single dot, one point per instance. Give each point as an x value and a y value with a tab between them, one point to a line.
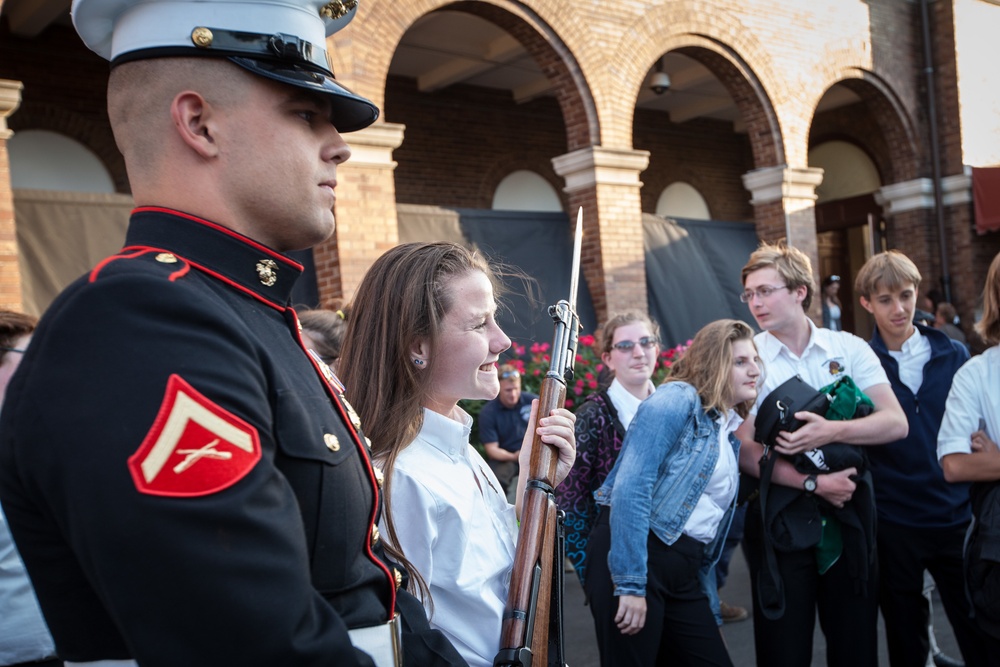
531	632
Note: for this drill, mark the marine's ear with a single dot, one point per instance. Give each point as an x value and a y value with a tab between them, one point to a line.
194	121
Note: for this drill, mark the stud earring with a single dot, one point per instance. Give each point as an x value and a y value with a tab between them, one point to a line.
418	362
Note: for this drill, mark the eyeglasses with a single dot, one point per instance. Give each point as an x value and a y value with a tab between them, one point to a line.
13	349
626	345
764	291
507	375
833	279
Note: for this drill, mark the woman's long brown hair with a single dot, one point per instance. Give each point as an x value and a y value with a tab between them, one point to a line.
401	301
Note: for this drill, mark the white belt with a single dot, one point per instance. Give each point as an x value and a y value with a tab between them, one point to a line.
384	643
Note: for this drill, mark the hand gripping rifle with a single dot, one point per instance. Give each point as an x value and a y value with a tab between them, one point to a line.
532	622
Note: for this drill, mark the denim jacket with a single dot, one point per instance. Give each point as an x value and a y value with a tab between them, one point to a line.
666	461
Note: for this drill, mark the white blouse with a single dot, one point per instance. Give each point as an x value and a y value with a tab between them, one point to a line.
459	534
626	405
718	495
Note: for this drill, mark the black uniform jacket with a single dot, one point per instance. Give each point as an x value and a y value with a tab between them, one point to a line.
184	484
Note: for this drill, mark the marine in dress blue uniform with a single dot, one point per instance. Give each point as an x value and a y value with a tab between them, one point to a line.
184	480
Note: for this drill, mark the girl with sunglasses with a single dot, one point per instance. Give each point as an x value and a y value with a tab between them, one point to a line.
629	351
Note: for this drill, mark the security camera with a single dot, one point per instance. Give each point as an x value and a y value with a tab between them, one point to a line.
660	83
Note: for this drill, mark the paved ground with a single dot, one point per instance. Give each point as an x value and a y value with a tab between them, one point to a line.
581	648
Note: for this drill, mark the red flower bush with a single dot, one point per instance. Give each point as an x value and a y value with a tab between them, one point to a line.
533	363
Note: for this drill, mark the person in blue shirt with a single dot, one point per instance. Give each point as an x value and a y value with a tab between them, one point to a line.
922	518
667	504
502	423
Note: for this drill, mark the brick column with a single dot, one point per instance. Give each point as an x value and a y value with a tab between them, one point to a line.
606	183
912	226
10	269
365	212
784	201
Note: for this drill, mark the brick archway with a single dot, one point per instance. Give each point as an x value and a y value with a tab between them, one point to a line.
95	136
528	161
363	62
721	43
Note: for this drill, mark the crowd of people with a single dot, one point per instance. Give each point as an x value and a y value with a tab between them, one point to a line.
192	473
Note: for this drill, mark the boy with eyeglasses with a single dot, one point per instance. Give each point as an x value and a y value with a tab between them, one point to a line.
502	423
779	288
922	518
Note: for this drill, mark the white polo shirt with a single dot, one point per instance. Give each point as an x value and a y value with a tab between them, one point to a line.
973	396
828	356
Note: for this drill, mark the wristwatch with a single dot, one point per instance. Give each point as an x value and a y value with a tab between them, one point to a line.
809	484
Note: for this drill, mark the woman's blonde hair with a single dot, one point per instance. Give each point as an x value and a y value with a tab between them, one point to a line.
989	326
708	363
400	301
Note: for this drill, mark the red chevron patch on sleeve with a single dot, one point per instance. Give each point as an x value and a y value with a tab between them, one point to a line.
195	447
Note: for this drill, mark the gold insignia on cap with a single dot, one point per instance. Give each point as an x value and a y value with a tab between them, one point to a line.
379	475
332	442
267	271
166	258
337	9
368	441
375	535
398	577
202	37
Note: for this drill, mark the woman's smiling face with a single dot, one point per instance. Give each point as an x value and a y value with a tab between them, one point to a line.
469	342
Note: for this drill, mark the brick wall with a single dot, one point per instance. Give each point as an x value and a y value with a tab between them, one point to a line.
707	154
65	91
775	58
460	142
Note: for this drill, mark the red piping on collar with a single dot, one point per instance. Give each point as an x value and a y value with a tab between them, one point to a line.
219	228
137	251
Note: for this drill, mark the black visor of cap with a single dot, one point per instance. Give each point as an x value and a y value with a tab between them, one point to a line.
351	112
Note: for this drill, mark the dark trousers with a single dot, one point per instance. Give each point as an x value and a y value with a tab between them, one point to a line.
680	628
848	616
904	553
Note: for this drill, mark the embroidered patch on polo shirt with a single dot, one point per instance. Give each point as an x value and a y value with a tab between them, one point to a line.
195	447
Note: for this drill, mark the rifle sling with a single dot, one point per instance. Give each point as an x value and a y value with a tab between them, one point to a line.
540	485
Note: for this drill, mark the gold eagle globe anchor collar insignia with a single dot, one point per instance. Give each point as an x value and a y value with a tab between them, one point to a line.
267	271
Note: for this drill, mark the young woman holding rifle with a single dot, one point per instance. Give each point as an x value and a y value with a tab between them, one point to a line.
422	336
666	508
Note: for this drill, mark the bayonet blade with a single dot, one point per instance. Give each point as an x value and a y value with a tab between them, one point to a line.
577	250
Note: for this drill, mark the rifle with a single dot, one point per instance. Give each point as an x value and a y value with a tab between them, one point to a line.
536	585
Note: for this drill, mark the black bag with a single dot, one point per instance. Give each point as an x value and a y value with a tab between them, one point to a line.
982	557
776	414
777	411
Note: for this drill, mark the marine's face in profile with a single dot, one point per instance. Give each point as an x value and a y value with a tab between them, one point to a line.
282	151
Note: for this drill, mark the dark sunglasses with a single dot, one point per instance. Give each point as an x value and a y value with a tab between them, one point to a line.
506	375
646	342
